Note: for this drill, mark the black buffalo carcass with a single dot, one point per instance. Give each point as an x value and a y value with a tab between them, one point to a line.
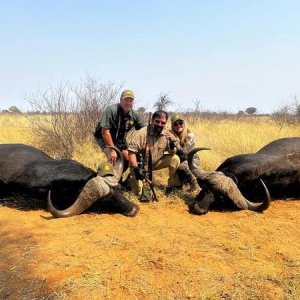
69	186
272	171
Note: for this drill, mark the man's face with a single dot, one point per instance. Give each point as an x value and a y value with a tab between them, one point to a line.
126	104
159	124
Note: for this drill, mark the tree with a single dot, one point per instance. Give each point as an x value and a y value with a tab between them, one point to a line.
70	113
141	110
162	102
197	103
14	109
251	110
288	113
298	110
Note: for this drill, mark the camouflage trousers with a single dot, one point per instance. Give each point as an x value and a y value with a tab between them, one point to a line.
184	173
167	161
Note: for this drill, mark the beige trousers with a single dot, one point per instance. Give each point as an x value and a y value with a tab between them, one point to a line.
167	161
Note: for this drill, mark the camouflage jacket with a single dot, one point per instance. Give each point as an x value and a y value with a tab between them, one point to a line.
183	150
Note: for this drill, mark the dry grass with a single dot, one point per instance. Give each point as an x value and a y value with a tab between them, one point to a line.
225	137
231	137
164	252
15	129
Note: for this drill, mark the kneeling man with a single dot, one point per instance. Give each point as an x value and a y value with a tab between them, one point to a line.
162	145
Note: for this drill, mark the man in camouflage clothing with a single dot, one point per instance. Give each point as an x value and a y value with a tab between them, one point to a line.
163	149
115	122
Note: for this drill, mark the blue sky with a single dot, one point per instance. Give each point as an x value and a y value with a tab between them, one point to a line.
228	55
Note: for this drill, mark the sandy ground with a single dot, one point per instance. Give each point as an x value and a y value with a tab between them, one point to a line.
162	253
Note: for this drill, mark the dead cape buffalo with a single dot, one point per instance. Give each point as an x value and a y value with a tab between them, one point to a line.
69	186
273	170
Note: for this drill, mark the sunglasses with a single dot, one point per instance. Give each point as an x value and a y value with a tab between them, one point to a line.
178	123
157	122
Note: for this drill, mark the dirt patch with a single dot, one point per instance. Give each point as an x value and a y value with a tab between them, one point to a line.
162	253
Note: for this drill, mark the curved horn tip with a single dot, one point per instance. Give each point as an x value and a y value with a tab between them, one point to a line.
230	189
267	201
54	212
194	169
193	151
262	206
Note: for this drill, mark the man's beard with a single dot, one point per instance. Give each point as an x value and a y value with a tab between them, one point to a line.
157	129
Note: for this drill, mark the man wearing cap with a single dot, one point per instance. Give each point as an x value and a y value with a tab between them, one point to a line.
116	121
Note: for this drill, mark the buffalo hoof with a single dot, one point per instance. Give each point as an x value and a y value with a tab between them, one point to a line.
133	211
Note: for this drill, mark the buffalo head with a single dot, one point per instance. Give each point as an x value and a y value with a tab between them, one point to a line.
216	185
94	189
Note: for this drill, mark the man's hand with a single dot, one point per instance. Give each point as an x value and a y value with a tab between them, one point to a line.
171	137
139	173
113	156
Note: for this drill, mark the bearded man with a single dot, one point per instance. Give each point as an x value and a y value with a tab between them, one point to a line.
162	144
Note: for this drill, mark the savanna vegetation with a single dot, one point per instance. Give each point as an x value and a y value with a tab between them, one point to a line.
164	252
226	136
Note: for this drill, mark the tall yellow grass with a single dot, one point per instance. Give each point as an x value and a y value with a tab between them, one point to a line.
224	137
231	137
16	129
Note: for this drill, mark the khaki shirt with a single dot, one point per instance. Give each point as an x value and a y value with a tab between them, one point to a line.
136	142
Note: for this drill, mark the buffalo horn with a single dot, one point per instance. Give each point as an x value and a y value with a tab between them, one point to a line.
197	172
226	186
119	165
93	190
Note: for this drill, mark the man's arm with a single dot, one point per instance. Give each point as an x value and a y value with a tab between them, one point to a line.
109	142
139	173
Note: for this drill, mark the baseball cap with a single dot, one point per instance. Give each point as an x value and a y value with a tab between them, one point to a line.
127	94
176	117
